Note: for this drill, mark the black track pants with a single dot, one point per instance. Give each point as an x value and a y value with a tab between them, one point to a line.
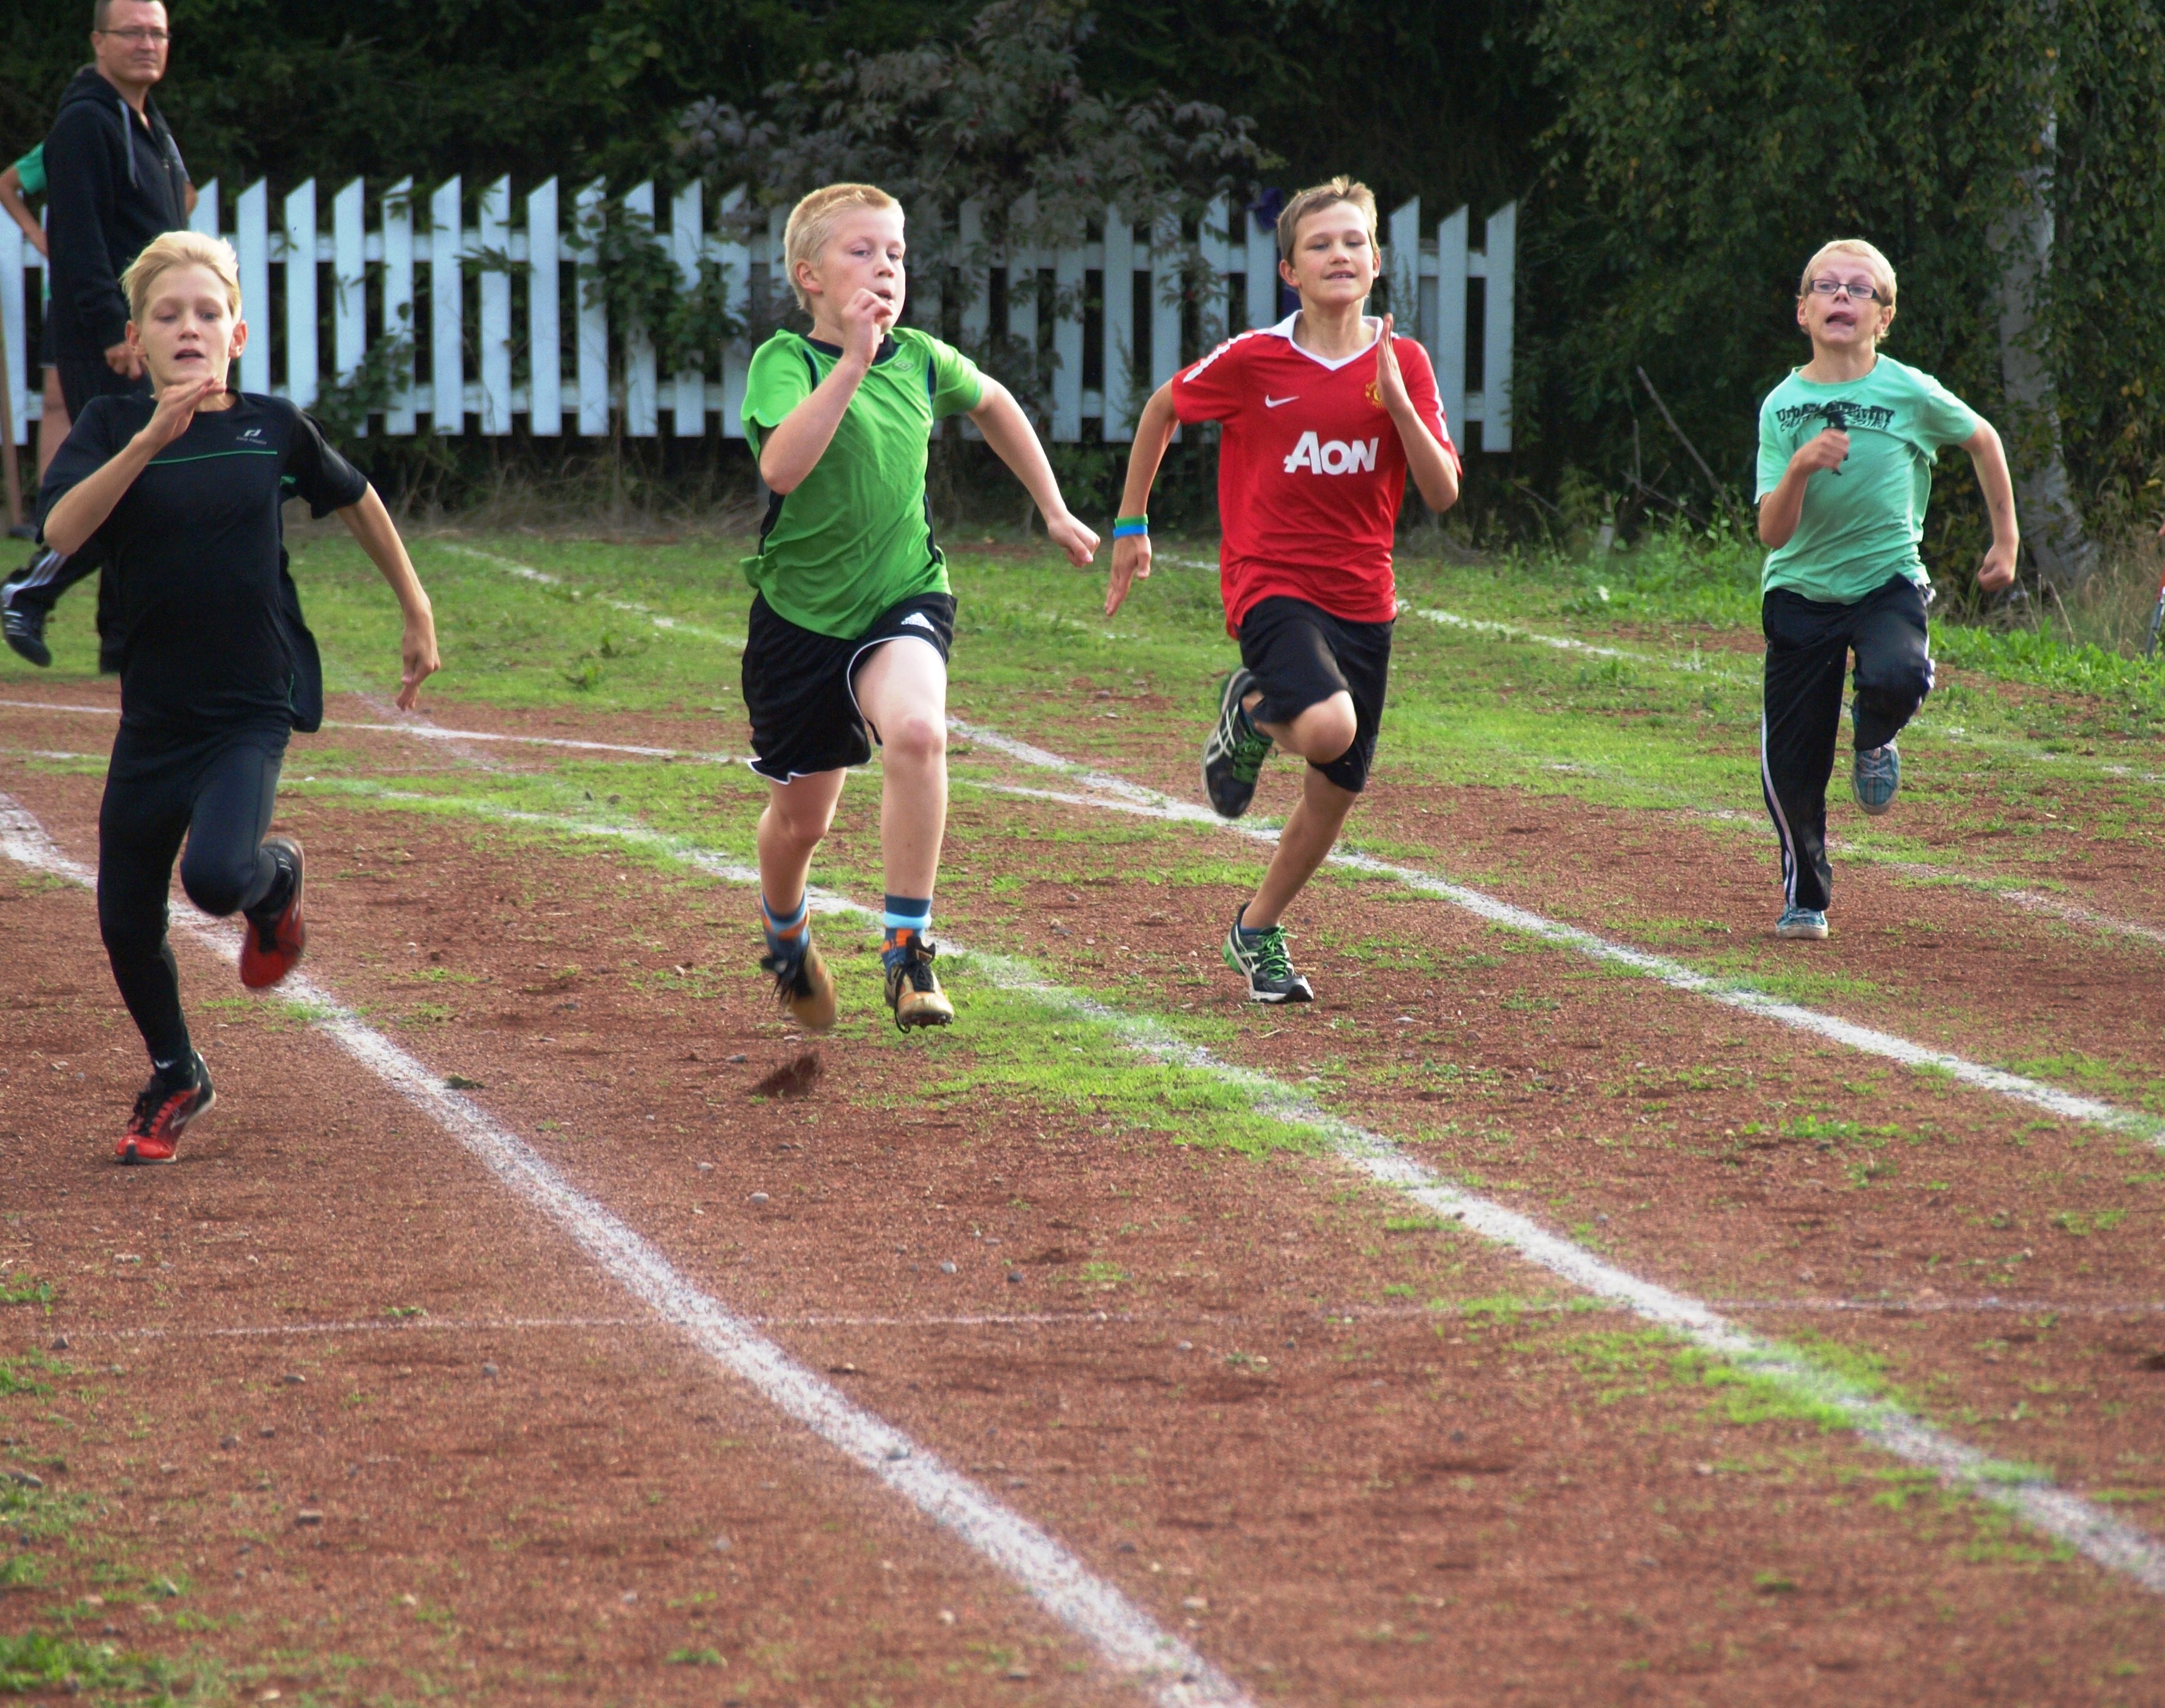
1808	648
49	574
217	791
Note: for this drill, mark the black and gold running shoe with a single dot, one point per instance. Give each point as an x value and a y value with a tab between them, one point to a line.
803	986
912	990
1233	757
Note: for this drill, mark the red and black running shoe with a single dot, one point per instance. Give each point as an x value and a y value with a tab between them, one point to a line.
162	1114
273	942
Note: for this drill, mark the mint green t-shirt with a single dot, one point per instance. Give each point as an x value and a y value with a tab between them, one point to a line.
854	539
1861	525
30	170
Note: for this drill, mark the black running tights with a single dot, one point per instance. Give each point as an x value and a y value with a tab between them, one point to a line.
217	791
1808	647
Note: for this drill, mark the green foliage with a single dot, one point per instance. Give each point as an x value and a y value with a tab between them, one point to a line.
431	87
2047	657
344	406
1703	149
1004	115
635	280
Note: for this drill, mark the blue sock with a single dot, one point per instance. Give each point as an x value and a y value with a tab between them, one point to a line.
905	920
785	932
1249	933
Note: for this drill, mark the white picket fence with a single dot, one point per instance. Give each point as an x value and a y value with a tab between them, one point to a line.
571	392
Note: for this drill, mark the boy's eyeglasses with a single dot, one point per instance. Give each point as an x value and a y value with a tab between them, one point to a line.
1842	287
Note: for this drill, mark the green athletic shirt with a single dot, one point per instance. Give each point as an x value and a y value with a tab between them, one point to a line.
854	539
31	170
1862	526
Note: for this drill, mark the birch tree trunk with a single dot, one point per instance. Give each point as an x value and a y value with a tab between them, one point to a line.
2051	521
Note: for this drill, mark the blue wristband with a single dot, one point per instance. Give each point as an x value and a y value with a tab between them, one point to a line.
1131	531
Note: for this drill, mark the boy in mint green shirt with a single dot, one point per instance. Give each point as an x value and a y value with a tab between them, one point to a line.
1846	444
853	617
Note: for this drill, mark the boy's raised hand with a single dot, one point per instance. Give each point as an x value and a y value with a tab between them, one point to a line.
1131	563
1079	542
1390	383
1825	449
177	409
866	319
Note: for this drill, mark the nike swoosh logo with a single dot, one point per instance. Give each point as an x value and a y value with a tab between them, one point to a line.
1270	403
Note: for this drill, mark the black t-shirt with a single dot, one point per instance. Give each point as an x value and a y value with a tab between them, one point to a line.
209	628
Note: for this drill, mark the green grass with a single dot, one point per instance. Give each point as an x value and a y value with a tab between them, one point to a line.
37	1663
25	1290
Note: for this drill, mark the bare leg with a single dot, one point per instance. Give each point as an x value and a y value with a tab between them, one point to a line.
902	689
1309	836
796	816
1320	734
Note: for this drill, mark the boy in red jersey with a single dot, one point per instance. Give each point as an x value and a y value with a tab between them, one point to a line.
1324	417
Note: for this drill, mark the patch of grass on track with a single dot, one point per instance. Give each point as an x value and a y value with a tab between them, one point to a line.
60	1543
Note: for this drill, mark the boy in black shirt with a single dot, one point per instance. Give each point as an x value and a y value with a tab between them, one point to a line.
183	495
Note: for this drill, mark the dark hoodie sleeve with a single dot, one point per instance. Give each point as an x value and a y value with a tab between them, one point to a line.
80	203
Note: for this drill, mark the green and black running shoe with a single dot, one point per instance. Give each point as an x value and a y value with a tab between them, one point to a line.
1261	959
1233	757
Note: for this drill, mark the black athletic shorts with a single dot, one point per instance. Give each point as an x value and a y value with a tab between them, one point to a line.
1301	655
800	687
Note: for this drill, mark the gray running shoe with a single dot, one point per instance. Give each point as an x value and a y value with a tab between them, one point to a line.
1875	776
1233	757
1808	925
1263	961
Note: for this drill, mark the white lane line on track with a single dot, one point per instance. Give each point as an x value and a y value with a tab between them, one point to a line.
526	572
2116	1545
524	1325
2034	901
1111	794
1135	799
1125	1638
437	732
1093	1318
47	706
426	731
1695	667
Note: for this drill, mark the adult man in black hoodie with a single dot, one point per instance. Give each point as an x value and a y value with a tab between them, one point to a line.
114	182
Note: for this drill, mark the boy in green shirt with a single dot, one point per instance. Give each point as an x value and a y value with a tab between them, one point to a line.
1846	444
847	564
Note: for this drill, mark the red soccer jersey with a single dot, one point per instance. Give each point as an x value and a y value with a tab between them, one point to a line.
1311	470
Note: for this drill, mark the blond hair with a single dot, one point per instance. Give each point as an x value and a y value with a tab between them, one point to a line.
1318	196
1881	269
812	222
180	249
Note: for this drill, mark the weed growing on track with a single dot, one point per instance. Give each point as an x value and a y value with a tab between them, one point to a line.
37	1663
25	1290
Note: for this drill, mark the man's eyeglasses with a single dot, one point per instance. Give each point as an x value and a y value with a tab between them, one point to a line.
140	37
1842	287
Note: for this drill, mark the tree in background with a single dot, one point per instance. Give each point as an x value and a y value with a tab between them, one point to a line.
1003	115
1703	148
